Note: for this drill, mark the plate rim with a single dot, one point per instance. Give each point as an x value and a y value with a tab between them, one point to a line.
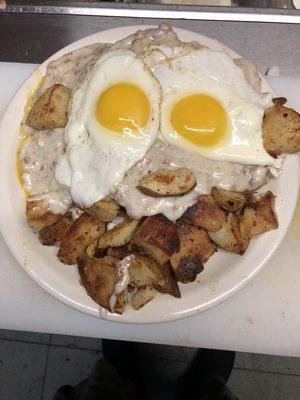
111	316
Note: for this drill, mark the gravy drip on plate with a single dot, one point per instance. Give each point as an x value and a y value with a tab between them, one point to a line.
124	277
208	173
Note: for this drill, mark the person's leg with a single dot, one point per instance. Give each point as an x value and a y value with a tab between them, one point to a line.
123	356
206	378
104	383
213	387
118	377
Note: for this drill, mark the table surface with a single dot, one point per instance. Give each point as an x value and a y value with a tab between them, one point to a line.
263	317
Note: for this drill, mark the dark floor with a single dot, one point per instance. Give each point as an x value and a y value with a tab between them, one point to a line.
40	363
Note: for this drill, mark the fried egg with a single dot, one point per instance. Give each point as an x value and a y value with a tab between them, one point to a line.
208	107
113	120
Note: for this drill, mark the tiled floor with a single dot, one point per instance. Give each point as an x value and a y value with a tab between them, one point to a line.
33	366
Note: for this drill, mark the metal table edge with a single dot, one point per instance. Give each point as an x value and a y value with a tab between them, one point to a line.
183	12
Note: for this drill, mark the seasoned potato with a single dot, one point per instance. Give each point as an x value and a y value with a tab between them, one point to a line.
81	234
119	252
119	235
229	200
50	111
99	276
143	296
259	215
281	129
229	237
195	249
206	213
106	210
121	302
54	234
37	214
157	236
93	250
167	182
145	271
186	268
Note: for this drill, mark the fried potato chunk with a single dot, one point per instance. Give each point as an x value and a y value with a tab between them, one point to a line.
91	249
145	271
206	213
143	296
229	237
167	182
119	235
121	302
81	234
259	215
281	129
119	252
106	210
38	216
54	234
229	200
50	111
99	276
157	236
195	249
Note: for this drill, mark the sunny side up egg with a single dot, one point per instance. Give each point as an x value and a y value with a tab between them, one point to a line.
208	107
113	120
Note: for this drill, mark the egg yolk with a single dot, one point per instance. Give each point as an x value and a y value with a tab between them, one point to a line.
123	108
200	119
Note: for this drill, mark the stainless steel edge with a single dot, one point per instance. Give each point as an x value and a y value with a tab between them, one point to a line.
175	12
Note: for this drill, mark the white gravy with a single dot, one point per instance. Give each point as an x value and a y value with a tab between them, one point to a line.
42	148
208	173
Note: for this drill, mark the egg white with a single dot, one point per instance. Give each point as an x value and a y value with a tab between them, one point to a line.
215	74
97	158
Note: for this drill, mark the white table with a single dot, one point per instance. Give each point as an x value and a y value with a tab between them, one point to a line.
264	317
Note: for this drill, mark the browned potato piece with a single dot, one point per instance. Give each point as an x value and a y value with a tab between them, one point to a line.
37	214
54	234
259	215
157	236
281	129
145	271
195	249
229	200
143	296
81	234
229	237
98	276
106	210
50	111
206	213
119	235
119	252
91	249
121	302
167	182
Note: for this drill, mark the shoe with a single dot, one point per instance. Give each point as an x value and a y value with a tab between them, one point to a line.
64	393
206	376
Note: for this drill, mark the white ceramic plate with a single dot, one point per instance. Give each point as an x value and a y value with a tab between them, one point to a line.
224	274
